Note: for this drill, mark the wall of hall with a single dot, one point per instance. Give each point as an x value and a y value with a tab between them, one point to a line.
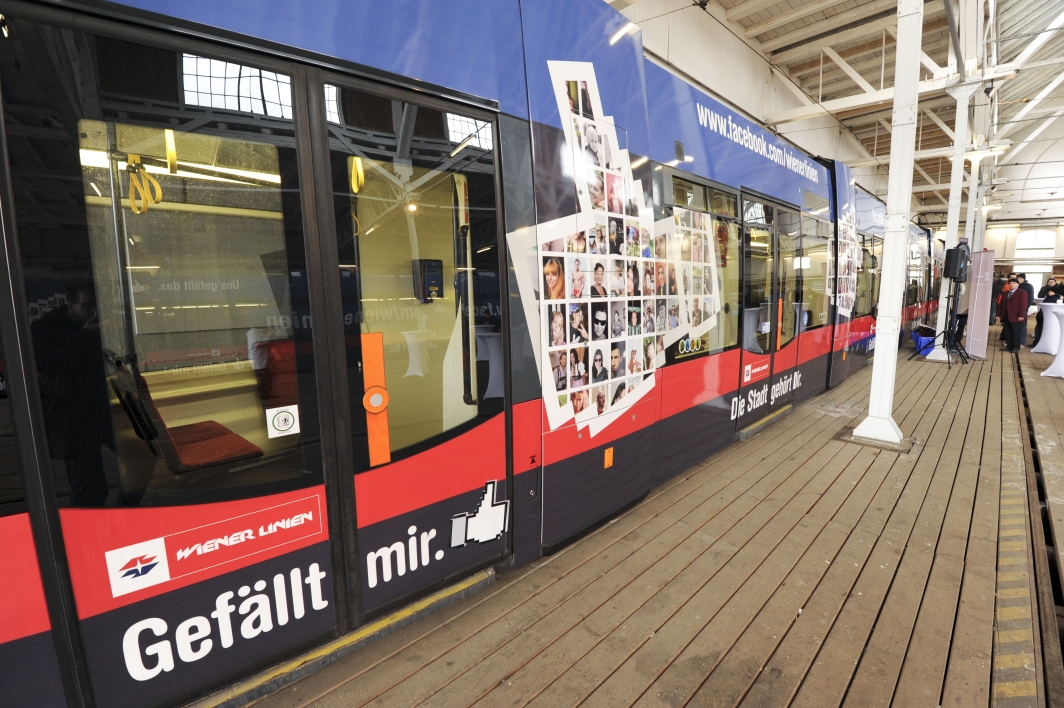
1002	240
702	46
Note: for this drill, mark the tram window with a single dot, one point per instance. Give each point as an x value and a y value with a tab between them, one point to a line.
865	283
687	194
726	250
758	308
788	233
171	326
723	203
817	269
417	233
12	487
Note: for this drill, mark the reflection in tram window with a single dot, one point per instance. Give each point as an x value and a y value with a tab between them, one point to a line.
686	194
788	233
817	268
726	250
414	190
866	272
758	309
164	266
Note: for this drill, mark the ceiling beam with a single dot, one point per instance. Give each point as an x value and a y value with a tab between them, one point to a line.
831	23
931	66
940	123
920	155
1030	138
933	8
848	103
1036	43
1014	121
745	9
841	63
803	10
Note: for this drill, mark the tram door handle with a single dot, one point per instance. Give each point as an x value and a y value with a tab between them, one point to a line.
375	400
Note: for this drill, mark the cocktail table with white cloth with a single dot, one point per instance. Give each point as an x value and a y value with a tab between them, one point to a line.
1057	313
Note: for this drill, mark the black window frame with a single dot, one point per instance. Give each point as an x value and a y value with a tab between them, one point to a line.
670	173
306	70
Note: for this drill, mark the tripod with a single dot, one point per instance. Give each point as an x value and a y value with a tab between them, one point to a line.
950	342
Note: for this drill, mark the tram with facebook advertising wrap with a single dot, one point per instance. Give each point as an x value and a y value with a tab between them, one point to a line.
302	323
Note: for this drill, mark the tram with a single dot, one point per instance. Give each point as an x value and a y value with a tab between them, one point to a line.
303	321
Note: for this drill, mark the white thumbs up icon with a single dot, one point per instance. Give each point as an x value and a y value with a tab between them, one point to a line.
486	524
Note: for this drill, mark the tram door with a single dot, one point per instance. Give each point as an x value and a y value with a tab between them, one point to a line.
414	202
771	263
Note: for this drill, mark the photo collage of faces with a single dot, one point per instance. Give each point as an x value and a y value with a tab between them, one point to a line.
849	259
602	319
692	272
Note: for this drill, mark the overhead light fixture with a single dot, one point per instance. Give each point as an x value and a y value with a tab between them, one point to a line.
4	28
462	145
370	230
171	150
629	28
486	248
411	207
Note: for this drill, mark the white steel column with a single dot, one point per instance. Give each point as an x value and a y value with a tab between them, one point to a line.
962	93
880	425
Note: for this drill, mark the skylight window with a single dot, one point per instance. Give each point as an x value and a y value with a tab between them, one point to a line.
332	104
212	83
460	128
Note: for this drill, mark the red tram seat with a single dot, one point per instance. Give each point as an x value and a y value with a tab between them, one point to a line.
184	447
278	384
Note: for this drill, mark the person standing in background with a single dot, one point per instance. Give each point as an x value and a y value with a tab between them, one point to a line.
1029	289
996	293
1013	315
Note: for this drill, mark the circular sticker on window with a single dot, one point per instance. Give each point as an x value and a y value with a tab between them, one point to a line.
284	421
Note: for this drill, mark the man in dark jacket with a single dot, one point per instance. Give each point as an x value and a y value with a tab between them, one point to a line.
67	349
1029	289
1013	315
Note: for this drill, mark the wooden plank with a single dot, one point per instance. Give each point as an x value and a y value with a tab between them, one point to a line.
559	658
1045	395
722	480
926	657
741	662
880	664
705	587
785	670
1016	633
719	632
829	676
967	676
403	666
487	673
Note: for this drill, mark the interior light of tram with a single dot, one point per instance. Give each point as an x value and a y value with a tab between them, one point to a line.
98	158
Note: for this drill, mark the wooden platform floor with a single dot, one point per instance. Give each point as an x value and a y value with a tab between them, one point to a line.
792	569
1045	401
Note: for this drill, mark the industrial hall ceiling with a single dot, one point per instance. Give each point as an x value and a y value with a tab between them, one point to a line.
837	57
